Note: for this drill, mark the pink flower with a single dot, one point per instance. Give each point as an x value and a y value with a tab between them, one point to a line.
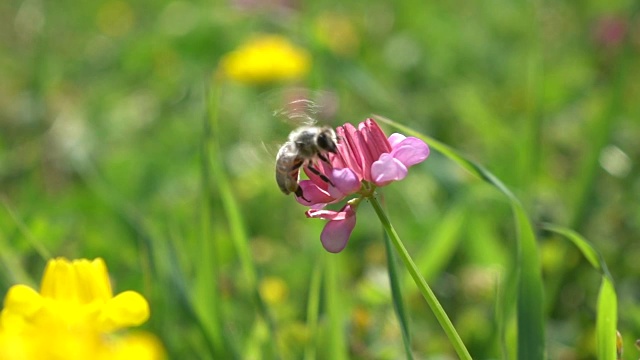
336	233
366	159
610	31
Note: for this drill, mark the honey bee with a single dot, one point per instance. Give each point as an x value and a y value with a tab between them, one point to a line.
304	147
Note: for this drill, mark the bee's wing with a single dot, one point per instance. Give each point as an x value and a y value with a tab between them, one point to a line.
257	140
244	157
270	150
300	106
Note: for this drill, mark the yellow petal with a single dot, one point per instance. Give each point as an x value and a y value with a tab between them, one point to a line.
139	346
128	308
58	281
93	281
22	300
264	59
81	281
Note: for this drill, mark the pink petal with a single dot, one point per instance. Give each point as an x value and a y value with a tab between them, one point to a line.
336	160
323	168
366	157
410	151
375	139
395	139
347	149
346	182
387	169
313	194
336	233
327	214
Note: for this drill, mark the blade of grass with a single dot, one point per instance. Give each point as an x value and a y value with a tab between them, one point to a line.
599	136
313	308
337	336
234	215
600	132
162	259
207	281
205	310
437	252
424	288
607	300
606	322
534	76
396	295
529	302
24	230
12	268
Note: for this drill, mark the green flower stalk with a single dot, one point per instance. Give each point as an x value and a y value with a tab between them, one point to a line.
365	160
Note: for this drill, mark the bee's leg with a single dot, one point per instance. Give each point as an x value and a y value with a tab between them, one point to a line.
322	176
300	194
323	158
295	168
296	164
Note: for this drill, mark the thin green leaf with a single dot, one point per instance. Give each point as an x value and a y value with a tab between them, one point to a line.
530	293
607	321
234	216
527	272
337	345
437	252
424	288
607	300
164	260
11	266
600	134
589	252
206	283
313	308
396	296
37	245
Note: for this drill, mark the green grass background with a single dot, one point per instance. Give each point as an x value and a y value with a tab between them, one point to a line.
104	111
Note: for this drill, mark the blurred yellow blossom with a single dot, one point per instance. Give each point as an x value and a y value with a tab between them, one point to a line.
361	318
264	59
274	290
73	317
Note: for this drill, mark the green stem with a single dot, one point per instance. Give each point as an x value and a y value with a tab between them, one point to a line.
426	291
396	296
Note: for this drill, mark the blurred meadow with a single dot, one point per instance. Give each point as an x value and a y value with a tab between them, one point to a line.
122	138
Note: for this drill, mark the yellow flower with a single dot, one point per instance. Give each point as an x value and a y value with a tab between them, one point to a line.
264	59
273	290
73	317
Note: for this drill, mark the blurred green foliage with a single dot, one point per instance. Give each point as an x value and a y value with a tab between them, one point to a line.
102	113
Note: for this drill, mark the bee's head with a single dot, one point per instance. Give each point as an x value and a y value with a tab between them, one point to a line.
327	140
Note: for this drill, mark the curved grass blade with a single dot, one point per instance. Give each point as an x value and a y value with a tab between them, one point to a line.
396	295
607	300
440	248
424	288
530	314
